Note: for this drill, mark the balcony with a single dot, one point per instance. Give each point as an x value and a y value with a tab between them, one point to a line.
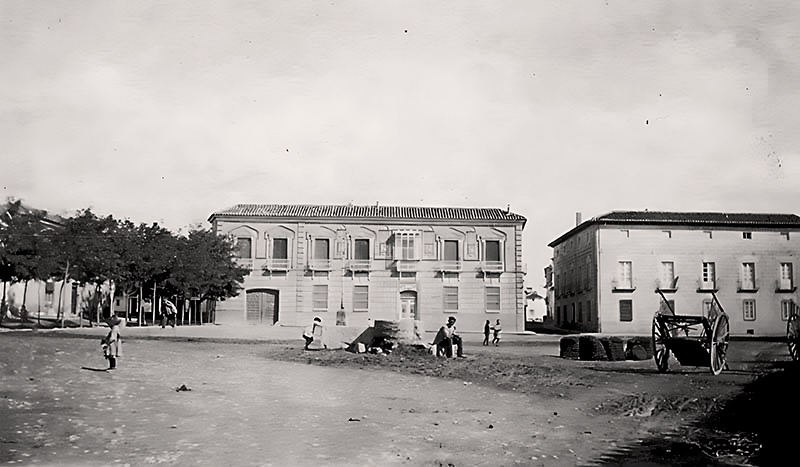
319	265
277	264
622	286
747	286
784	286
245	263
359	265
667	285
405	265
707	286
491	266
449	266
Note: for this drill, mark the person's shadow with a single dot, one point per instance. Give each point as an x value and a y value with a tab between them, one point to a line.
104	370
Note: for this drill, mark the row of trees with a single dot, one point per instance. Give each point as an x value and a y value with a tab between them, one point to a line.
110	254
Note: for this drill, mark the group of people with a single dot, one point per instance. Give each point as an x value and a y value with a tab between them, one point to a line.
447	337
488	330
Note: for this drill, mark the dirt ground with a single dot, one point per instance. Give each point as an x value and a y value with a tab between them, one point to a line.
271	403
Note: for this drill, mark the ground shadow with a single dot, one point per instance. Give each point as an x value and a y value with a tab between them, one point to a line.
750	428
104	370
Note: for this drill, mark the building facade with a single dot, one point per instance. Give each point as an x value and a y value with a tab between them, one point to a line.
357	264
611	272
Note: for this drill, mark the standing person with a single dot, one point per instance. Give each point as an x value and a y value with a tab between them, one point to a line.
487	331
168	313
112	343
447	337
496	328
311	331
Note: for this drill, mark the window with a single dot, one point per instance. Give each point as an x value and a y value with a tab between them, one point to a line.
708	279
588	311
492	251
320	298
451	250
558	315
787	306
361	298
49	287
580	312
492	298
747	235
280	248
407	245
748	277
786	282
625	275
450	299
361	249
749	310
667	275
626	310
244	247
322	248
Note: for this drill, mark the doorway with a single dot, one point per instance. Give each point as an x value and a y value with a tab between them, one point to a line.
408	304
262	306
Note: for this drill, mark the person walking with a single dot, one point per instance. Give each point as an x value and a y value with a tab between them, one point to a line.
112	343
487	331
496	328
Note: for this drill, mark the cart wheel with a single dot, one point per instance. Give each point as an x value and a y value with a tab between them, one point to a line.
793	335
720	334
660	350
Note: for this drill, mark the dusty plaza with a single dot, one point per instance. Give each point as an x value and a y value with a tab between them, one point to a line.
186	397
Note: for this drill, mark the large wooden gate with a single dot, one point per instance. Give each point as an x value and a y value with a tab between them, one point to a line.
262	306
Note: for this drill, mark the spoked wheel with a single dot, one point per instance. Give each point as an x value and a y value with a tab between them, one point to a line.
793	335
660	350
720	335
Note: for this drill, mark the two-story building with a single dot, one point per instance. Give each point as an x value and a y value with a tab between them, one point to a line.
608	271
363	263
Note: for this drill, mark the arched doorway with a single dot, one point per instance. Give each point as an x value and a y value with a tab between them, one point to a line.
262	306
408	304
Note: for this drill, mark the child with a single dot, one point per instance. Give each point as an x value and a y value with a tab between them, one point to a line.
496	328
487	330
112	343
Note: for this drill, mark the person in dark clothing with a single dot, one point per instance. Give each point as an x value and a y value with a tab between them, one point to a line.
487	331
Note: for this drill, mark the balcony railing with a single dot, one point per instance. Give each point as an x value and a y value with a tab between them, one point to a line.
706	285
277	264
406	265
491	266
747	286
319	264
245	262
784	285
665	285
450	266
622	286
359	264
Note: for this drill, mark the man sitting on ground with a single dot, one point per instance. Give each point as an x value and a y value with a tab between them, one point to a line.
446	338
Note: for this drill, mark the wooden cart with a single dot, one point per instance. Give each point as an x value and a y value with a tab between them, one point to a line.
694	340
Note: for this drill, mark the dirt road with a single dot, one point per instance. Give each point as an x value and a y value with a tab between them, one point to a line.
273	404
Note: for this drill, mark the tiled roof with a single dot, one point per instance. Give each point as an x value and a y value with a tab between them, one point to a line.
368	212
697	219
661	217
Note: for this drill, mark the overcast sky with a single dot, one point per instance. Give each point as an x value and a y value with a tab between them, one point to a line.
168	111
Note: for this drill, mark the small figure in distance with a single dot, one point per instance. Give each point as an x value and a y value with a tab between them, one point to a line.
446	338
310	331
496	328
169	313
112	343
487	331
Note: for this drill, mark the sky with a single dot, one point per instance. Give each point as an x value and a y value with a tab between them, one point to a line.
169	111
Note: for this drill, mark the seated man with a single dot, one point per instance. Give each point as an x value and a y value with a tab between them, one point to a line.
446	338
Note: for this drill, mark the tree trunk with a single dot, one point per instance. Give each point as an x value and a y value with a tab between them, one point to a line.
24	300
61	293
140	302
155	286
3	306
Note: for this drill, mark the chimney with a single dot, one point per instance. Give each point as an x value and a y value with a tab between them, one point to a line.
578	219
